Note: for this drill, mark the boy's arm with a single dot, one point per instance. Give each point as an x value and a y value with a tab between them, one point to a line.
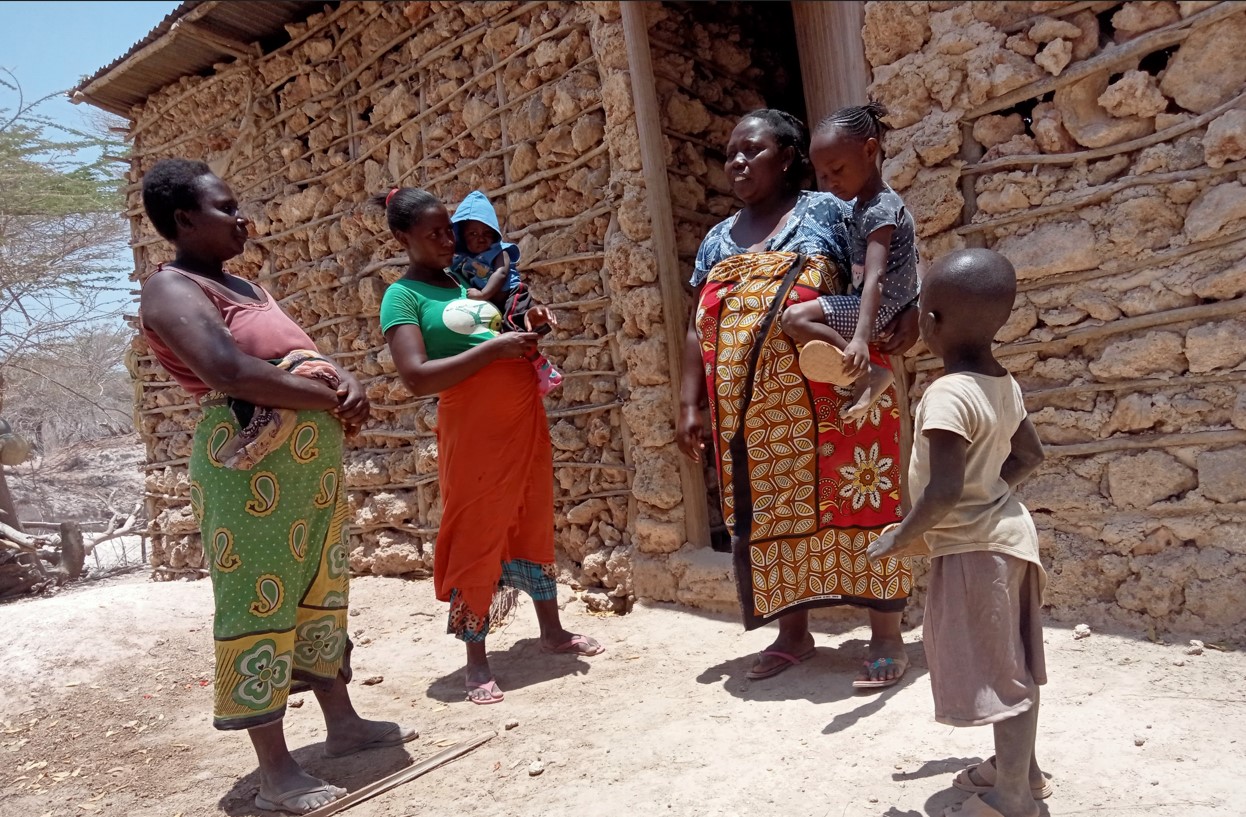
947	483
877	250
1027	454
497	278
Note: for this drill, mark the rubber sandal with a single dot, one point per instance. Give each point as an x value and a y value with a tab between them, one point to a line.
294	802
789	661
823	363
879	663
496	695
576	645
986	773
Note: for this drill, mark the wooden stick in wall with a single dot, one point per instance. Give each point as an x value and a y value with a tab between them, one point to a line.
665	251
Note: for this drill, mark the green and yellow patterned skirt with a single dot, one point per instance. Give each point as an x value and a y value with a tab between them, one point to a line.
275	541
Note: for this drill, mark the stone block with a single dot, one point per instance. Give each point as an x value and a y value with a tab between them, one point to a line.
1222	474
902	89
993	129
1153	353
650	415
893	30
1134	94
1220	345
652	578
1055	56
1218	208
1141	480
656	480
1226	138
1088	122
1137	17
1051	248
1209	67
705	578
935	199
1046	29
653	536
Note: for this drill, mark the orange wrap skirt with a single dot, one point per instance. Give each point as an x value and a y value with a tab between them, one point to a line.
496	470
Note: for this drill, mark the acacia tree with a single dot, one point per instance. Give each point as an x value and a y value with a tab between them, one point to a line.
60	237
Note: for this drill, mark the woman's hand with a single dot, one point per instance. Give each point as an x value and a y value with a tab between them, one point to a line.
890	546
900	335
688	435
512	345
353	406
539	316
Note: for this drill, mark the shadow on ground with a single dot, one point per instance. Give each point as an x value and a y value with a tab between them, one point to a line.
352	773
521	665
825	678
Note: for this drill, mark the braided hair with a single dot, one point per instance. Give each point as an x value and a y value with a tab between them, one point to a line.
861	122
789	132
404	206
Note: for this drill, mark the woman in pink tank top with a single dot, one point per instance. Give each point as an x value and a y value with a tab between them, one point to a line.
274	533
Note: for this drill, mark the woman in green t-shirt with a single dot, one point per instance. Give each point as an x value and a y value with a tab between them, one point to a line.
495	464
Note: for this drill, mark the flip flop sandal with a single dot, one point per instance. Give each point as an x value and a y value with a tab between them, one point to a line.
576	645
823	363
788	661
295	802
986	773
496	695
396	736
877	664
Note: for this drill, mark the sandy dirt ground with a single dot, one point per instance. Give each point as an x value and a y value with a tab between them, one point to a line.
107	696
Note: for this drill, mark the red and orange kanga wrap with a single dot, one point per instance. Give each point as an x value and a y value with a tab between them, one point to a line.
822	488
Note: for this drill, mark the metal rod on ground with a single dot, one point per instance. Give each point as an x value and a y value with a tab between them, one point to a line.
401	776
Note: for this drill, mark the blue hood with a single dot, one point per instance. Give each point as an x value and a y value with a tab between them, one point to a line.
476	207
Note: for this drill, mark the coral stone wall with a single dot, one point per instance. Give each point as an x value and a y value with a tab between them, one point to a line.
511	98
1100	147
533	103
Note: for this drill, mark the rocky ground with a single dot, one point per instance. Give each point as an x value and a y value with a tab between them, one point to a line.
116	719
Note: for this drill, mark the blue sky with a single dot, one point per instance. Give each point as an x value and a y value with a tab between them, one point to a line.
50	47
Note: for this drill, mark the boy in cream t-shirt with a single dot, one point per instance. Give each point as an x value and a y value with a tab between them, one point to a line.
973	444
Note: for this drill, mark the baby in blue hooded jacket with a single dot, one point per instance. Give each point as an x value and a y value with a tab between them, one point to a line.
488	268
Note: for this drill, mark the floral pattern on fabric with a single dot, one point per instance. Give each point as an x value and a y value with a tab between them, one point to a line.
822	488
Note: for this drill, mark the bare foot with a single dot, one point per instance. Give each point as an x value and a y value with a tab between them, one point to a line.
866	391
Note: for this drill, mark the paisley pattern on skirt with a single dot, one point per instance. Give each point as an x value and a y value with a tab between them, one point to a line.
276	550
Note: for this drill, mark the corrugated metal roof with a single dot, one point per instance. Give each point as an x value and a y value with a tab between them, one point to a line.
205	32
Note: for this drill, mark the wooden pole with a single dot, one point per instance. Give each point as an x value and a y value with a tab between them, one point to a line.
832	56
665	252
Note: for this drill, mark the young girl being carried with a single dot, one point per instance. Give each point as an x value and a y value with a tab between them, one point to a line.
837	330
